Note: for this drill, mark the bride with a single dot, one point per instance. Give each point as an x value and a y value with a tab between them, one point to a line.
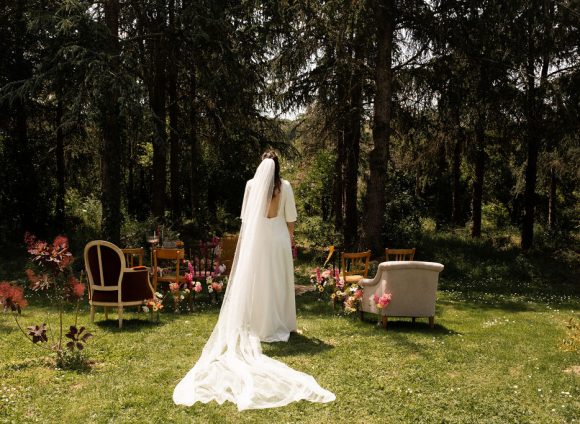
258	306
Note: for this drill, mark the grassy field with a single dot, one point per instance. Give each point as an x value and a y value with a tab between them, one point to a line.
500	352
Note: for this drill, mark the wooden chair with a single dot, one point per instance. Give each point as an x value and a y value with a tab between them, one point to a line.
162	254
355	266
111	282
228	246
400	254
132	254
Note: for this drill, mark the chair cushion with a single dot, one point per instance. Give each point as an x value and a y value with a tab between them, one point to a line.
353	278
135	287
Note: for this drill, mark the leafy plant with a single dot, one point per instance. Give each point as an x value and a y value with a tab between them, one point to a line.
53	263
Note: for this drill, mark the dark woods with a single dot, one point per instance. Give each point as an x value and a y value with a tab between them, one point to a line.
118	115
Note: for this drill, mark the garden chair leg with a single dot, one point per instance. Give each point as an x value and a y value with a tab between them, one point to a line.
384	321
120	317
431	322
106	313
92	313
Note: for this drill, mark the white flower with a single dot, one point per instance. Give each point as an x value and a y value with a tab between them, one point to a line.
209	289
145	309
222	268
158	295
182	297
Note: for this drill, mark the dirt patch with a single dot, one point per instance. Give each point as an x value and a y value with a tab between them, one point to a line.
574	369
300	289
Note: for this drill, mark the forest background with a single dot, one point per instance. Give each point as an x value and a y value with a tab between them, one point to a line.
393	119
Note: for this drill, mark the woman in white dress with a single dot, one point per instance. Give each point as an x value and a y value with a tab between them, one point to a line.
274	318
258	305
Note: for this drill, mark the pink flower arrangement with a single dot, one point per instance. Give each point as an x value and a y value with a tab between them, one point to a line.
382	301
197	287
174	287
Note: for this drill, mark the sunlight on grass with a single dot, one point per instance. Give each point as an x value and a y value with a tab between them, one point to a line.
483	361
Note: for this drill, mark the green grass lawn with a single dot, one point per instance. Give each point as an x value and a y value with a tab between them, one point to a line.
493	357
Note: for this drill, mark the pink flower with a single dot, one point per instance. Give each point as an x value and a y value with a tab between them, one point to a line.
383	301
174	287
340	283
77	288
197	287
325	273
217	287
318	275
358	294
190	267
188	278
11	295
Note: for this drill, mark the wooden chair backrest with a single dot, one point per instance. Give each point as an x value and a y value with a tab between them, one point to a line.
356	263
228	246
132	254
105	264
176	255
400	254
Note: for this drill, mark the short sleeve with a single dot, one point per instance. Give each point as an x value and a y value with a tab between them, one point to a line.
290	213
246	197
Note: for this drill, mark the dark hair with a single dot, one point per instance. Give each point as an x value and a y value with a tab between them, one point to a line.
270	154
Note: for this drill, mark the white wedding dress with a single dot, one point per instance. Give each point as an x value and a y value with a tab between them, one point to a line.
258	305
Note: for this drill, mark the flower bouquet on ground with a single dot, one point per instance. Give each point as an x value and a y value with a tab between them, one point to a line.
216	289
153	306
381	302
324	282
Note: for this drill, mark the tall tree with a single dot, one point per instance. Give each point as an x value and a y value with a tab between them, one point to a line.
111	148
374	215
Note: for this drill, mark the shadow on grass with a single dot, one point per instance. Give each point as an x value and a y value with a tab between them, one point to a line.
481	265
130	325
296	345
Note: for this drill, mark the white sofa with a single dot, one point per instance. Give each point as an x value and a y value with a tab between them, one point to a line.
412	284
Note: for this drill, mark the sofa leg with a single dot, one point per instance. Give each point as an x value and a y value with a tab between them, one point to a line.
431	322
413	320
120	317
92	313
384	321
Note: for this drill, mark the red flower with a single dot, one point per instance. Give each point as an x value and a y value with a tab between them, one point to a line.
77	289
12	295
37	282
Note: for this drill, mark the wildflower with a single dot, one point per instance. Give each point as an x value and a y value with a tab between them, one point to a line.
197	287
77	288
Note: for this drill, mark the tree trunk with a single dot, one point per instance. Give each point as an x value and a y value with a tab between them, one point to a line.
60	167
111	153
478	181
456	171
476	203
352	150
157	104
175	153
378	157
194	144
552	200
338	203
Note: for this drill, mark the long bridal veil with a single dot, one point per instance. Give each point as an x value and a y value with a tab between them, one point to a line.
232	366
